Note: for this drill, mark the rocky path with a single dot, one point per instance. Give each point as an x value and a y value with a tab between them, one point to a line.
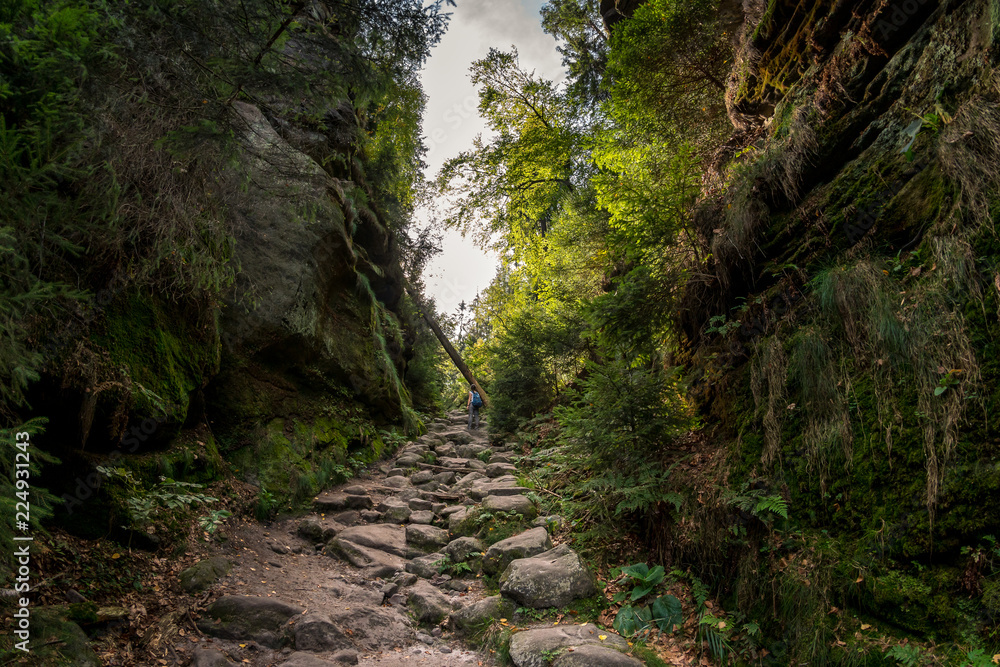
362	580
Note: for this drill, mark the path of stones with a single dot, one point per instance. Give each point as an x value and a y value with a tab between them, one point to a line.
356	582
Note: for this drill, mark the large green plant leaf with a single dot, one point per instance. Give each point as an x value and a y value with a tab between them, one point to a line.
667	612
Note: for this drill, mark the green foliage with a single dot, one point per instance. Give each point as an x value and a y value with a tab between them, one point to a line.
210	523
669	65
624	412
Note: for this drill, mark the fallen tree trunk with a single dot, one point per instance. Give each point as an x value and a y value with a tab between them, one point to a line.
449	348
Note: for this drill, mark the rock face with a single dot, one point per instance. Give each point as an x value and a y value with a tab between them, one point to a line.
531	647
263	620
203	574
551	579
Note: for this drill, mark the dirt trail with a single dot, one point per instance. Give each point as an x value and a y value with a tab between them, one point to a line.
360	580
277	562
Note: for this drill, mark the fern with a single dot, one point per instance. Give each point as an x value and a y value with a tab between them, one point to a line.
757	503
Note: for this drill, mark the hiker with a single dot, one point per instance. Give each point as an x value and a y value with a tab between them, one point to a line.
474	403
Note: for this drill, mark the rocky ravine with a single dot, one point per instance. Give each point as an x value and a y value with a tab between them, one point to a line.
358	581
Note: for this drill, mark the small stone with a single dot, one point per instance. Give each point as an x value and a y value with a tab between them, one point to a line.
426	639
436	631
445	649
356	490
370	516
389	590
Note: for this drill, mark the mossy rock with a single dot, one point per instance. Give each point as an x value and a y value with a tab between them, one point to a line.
57	640
203	574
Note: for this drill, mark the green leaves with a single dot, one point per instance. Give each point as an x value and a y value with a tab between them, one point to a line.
630	621
667	613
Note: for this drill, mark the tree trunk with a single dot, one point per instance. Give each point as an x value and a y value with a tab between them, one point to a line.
449	348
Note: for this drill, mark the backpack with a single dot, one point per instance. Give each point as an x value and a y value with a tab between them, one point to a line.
477	402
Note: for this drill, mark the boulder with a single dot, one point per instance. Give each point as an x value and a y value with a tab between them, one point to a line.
531	648
529	543
263	620
394	511
420	504
458	523
464	548
551	579
469	480
425	566
428	603
595	656
426	538
518	504
478	614
500	469
384	537
204	573
446	477
364	557
424	517
470	451
396	482
316	632
446	450
336	502
421	477
317	530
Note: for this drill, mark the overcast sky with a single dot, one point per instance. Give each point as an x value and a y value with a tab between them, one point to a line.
451	120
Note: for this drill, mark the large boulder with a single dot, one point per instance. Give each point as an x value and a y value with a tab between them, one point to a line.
529	543
532	648
263	620
554	578
204	573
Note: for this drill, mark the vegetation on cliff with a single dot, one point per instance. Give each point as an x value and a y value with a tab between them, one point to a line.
749	291
204	221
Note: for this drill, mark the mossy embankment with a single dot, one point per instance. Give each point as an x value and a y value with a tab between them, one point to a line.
851	365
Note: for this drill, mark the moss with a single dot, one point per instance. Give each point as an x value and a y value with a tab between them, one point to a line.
169	350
